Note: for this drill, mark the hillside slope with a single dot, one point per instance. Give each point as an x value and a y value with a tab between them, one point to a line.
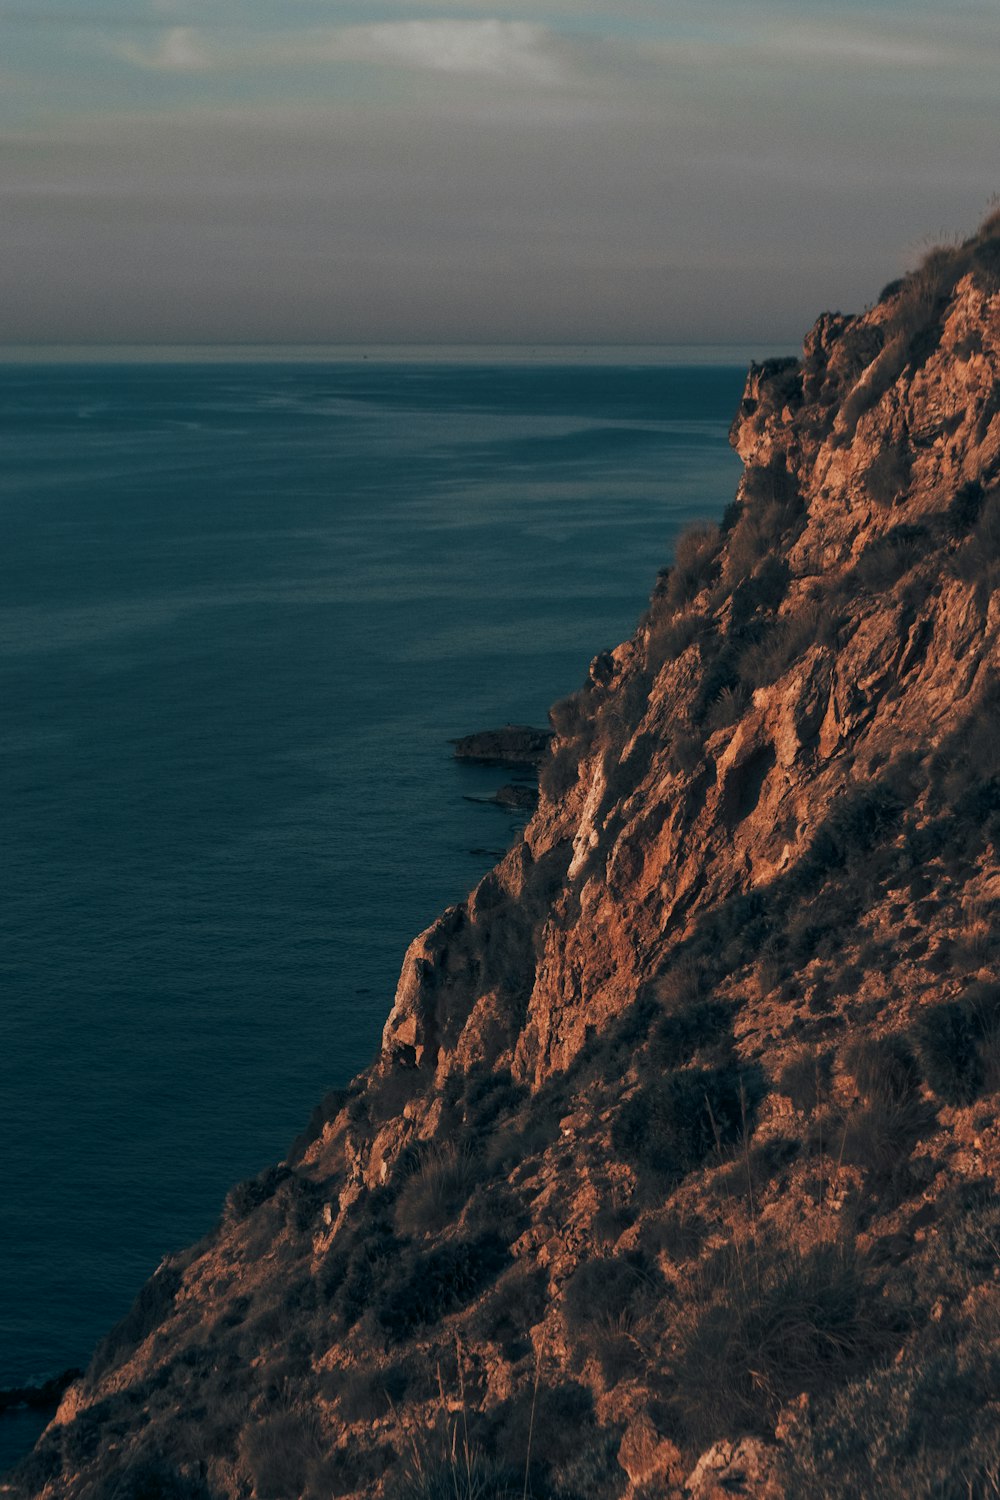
677	1172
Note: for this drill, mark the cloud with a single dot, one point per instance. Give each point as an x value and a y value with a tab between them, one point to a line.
511	49
57	19
514	50
863	46
179	50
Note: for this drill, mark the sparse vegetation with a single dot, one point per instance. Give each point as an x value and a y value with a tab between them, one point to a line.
805	1078
978	560
280	1452
924	1427
420	1291
773	1322
440	1181
672	1124
958	1042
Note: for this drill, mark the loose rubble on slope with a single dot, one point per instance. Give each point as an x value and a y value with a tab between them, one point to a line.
677	1173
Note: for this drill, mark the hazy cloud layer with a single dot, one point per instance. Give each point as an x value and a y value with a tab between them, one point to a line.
325	171
502	49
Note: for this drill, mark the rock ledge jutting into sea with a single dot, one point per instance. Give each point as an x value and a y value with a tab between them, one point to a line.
513	745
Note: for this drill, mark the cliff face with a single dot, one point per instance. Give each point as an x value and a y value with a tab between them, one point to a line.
678	1169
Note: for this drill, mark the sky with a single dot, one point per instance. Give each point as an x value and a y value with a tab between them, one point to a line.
653	171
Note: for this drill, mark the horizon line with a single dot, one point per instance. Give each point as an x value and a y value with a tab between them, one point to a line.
740	351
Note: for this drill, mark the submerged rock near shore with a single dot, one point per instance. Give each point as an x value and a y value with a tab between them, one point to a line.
678	1172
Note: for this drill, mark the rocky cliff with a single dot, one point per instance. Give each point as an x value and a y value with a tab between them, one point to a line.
677	1172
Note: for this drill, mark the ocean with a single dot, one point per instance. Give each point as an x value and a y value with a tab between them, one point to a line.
244	606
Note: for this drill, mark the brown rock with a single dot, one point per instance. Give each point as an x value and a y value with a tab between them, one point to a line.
645	1455
747	1467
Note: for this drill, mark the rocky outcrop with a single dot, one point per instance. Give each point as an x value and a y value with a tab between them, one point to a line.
40	1395
513	745
677	1172
514	796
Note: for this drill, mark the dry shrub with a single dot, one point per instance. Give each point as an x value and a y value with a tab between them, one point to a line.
885	561
925	1426
729	706
766	660
280	1451
771	505
674	1123
686	751
772	1322
560	770
959	1043
888	475
978	938
418	1290
607	1305
883	1068
669	636
682	984
805	1078
947	1040
879	377
367	1392
570	716
978	561
440	1182
695	556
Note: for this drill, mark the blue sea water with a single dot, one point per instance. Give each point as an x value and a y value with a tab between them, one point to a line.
242	609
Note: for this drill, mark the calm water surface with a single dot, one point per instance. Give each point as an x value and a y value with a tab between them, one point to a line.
242	609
